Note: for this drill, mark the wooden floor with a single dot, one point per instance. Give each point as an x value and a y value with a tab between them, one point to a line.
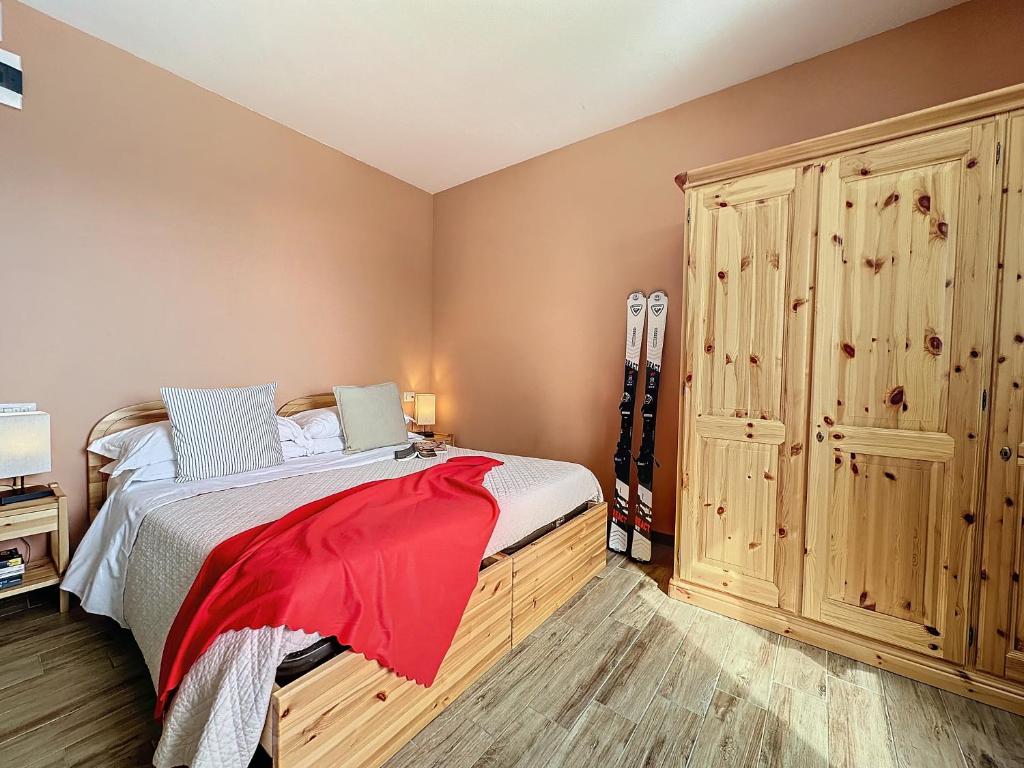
621	676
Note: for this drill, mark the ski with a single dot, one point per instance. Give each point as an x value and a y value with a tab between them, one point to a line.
618	515
657	312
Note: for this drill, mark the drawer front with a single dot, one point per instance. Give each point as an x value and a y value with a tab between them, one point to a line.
28	523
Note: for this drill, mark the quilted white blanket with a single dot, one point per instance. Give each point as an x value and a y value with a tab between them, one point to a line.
218	713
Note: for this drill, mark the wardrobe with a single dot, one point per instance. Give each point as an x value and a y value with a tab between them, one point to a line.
852	439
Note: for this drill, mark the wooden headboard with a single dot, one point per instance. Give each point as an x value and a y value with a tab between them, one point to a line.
147	413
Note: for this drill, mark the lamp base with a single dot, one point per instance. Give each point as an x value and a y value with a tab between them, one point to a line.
25	493
428	433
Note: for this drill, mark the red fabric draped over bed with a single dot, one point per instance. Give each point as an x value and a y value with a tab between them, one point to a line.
386	567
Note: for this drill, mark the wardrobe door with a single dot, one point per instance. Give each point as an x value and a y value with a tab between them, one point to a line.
1001	604
745	403
905	293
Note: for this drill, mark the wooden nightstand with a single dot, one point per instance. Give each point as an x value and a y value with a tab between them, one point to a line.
49	515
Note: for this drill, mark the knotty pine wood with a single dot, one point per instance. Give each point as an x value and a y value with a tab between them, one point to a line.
74	691
941	116
749	268
1000	598
930	566
906	274
352	711
549	571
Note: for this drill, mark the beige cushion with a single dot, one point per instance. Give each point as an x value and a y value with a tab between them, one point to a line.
371	417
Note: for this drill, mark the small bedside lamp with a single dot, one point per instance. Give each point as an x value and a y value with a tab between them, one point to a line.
24	450
424	412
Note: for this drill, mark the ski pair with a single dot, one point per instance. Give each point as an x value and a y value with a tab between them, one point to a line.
625	535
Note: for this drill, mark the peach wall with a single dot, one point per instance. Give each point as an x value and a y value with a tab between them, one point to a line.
532	264
153	233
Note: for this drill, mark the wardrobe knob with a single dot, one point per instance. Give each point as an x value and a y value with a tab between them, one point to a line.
820	437
1005	453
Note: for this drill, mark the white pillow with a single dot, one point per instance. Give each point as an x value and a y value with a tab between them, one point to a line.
161	470
167	470
318	445
136	447
151	444
319	423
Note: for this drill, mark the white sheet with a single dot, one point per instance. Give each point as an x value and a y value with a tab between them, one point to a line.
158	534
97	571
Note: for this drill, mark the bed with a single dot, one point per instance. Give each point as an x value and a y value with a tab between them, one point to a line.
347	711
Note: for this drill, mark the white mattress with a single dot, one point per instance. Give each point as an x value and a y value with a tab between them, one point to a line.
157	535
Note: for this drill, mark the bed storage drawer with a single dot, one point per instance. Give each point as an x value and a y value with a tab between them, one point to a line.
548	572
353	712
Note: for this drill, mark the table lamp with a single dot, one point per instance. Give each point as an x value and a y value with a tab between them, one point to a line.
24	450
423	413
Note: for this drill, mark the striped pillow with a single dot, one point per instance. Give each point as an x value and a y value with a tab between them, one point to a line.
220	432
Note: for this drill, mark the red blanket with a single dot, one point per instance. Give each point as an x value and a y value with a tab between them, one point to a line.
386	567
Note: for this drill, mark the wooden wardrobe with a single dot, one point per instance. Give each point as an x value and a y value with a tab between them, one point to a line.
852	436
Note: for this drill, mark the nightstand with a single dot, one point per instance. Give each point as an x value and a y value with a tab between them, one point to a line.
49	515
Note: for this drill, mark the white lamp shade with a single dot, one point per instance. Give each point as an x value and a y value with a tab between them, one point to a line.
424	411
24	443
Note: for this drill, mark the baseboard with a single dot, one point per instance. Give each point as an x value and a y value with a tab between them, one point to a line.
970	683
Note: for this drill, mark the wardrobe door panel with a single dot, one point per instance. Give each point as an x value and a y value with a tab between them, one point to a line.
1001	603
905	284
748	321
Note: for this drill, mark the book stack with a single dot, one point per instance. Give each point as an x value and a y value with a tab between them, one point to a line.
12	568
431	449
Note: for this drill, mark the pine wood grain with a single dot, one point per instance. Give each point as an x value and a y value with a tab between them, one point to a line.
749	269
912	534
974	107
1001	596
900	365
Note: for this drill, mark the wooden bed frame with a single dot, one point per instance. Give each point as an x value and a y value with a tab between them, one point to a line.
353	713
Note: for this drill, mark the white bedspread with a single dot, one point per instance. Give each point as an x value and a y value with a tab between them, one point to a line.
162	534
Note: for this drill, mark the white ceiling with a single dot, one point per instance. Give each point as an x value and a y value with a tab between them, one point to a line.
437	92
